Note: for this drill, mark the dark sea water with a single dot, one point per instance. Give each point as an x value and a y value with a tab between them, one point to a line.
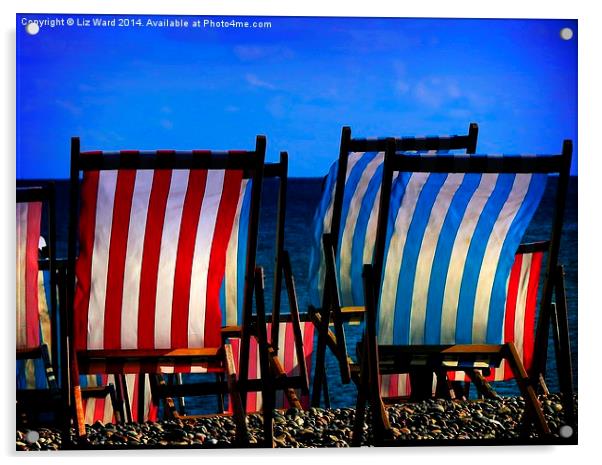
303	197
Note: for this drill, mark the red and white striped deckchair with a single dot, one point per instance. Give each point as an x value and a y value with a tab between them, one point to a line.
36	345
153	231
101	399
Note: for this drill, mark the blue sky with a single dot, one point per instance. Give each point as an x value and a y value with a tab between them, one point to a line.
297	82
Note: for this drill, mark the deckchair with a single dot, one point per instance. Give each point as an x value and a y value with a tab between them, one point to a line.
519	328
153	229
114	399
36	338
344	224
436	293
289	326
290	341
289	336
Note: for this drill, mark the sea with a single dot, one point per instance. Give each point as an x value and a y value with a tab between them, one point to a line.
302	198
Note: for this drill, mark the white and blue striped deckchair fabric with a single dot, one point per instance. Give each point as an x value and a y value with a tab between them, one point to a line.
359	215
233	284
450	246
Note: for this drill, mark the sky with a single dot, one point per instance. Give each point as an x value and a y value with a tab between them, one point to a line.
298	82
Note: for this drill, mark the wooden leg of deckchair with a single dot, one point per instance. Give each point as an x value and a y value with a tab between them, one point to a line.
481	384
381	428
532	405
80	425
562	344
242	434
125	397
219	377
421	380
77	403
543	386
157	383
445	387
277	371
320	369
266	376
360	406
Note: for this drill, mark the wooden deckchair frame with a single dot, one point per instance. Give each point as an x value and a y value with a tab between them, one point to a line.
393	359
53	362
251	163
331	311
277	378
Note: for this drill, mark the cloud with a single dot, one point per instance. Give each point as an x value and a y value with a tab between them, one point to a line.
166	124
69	106
254	81
256	52
437	91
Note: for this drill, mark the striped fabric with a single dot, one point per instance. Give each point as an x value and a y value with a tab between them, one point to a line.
152	259
359	214
232	288
397	385
288	358
101	409
450	247
519	318
29	216
31	373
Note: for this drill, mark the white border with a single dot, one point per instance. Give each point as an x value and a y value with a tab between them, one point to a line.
589	194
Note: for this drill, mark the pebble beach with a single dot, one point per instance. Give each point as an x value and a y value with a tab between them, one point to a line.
433	419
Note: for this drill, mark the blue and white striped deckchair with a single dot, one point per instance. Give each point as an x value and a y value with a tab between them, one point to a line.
445	245
348	212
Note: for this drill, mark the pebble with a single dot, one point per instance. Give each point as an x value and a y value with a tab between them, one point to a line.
438	419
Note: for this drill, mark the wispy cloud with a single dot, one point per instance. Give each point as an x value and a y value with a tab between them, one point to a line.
256	52
166	124
69	106
254	81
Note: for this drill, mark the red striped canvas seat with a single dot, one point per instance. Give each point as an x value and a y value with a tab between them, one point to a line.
29	216
287	356
151	263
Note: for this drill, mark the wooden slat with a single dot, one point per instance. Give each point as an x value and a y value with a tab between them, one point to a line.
532	247
178	160
242	434
412	144
477	164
